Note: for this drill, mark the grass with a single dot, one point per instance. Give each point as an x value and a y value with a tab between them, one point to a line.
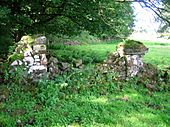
93	53
91	109
85	98
158	56
158	53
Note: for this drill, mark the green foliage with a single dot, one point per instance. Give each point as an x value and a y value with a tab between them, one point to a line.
70	53
15	75
85	38
16	56
132	44
57	38
47	94
96	53
5	31
161	60
97	18
69	17
4	121
78	98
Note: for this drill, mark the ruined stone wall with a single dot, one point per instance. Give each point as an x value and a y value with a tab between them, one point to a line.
34	56
127	60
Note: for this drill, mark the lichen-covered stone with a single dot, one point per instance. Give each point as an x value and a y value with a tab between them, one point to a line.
36	56
43	59
53	60
41	40
78	63
29	60
131	47
27	39
134	64
127	60
39	48
37	69
27	53
64	66
34	59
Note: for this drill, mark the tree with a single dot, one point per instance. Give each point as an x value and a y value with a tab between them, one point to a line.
69	16
5	33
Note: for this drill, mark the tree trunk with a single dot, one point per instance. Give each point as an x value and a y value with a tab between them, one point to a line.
17	35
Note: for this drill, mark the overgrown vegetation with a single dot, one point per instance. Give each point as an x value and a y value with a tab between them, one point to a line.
85	97
79	98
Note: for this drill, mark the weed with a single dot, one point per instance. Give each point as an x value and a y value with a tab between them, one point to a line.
47	94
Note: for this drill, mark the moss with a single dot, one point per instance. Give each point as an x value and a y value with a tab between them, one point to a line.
133	44
134	47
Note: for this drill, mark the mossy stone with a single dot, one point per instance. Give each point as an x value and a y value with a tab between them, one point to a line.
27	39
134	47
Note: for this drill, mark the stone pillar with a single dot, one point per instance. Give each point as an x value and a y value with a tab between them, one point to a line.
39	66
134	64
127	60
34	53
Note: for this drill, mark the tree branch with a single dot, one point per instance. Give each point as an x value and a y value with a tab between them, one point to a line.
152	6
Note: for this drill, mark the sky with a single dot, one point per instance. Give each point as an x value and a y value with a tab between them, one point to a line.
145	19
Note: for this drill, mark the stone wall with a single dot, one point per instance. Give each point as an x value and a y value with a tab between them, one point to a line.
34	56
127	60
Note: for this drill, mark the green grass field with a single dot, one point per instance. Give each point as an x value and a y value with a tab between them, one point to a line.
86	99
158	54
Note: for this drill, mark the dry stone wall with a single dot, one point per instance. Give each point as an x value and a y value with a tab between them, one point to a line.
127	60
34	56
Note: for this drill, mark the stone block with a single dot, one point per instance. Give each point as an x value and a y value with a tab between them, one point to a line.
53	60
29	60
43	59
37	60
36	56
39	48
37	63
37	68
27	53
26	39
16	63
41	40
78	63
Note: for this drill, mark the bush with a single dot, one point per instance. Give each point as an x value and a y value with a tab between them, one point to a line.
57	39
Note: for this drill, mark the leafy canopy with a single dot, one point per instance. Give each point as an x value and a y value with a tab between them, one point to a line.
67	16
